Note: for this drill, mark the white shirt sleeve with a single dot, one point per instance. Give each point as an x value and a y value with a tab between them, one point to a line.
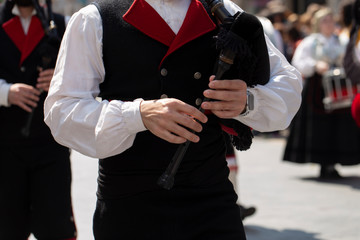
275	103
102	129
4	93
303	58
76	118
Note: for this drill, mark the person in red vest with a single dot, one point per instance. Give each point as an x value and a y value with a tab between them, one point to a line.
35	173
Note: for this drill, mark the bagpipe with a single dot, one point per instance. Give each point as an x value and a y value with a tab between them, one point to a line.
243	50
48	48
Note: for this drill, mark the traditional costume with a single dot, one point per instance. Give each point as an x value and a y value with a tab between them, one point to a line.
35	174
147	55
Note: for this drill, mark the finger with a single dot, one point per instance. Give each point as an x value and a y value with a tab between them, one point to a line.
167	135
227	84
30	103
172	138
47	72
169	131
221	106
225	95
43	86
182	126
193	112
32	96
188	122
181	132
25	107
27	90
45	79
226	114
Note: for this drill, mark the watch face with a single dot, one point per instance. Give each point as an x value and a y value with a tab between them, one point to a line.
250	100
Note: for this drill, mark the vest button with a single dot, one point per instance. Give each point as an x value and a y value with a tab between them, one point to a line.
198	101
163	72
197	75
163	96
23	69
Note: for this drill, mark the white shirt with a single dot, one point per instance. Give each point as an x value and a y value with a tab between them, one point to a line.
101	128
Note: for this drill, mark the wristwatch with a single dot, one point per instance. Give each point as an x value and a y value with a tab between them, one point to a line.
249	103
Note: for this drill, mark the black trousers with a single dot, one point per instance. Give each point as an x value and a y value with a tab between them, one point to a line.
179	214
35	193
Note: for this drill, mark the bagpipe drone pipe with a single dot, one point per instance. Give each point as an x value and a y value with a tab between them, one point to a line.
242	46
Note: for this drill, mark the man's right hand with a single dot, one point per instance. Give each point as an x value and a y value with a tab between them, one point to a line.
24	96
171	119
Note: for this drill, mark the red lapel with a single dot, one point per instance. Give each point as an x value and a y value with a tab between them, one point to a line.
143	17
196	23
25	43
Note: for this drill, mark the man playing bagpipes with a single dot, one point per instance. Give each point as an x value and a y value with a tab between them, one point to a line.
152	63
35	174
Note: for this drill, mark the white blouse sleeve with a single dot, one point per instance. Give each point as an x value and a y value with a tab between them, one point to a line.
76	118
303	58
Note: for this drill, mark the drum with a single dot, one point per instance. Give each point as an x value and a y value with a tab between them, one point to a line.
338	89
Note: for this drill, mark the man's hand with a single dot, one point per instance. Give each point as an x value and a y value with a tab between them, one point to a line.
230	96
24	96
171	119
44	79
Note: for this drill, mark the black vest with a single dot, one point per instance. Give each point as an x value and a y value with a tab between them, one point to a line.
13	119
132	65
135	68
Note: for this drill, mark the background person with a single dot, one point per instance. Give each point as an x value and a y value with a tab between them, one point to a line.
317	135
35	174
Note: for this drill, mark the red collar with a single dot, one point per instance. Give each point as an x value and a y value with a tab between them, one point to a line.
25	43
196	23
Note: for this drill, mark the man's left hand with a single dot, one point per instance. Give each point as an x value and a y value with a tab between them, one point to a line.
229	95
44	79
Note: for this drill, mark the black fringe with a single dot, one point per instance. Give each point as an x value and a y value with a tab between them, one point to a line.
244	137
245	63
